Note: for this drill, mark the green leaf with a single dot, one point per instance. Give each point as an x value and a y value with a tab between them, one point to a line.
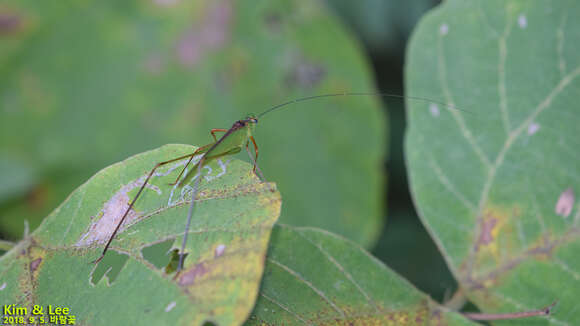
226	247
314	277
498	188
84	84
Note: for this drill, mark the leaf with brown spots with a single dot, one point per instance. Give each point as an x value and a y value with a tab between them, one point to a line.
225	251
496	187
314	277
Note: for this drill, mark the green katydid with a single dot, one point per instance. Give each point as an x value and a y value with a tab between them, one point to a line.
234	139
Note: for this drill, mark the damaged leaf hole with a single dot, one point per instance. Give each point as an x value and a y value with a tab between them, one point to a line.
162	256
159	255
109	268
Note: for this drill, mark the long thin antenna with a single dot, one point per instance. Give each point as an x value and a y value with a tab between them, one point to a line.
359	94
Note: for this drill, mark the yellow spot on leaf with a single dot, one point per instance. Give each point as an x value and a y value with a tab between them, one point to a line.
494	229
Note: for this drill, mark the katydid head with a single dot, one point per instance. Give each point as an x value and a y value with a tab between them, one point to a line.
251	118
250	121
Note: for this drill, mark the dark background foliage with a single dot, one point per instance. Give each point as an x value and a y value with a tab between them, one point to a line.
384	27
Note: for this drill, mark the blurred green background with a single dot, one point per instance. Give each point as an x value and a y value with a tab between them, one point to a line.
381	29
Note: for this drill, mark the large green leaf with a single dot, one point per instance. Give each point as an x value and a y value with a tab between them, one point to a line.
86	83
226	248
498	188
314	277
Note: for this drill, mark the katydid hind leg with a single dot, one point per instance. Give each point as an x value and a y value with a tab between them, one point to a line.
134	200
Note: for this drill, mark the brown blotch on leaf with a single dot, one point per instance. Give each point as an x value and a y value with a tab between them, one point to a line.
419	319
34	264
9	23
422	312
565	203
546	248
191	275
403	318
486	228
436	316
210	35
305	74
273	21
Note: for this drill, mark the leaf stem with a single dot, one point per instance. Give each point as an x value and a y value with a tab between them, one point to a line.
483	316
457	301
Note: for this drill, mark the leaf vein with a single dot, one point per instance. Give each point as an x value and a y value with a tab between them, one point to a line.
501	85
442	72
341	269
285	309
309	284
567	269
449	186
